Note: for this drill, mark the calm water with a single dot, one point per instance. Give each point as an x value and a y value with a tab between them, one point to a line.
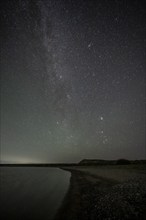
31	193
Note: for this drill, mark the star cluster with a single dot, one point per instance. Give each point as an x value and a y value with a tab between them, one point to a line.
73	80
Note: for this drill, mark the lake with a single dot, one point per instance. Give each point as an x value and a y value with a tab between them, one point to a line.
32	193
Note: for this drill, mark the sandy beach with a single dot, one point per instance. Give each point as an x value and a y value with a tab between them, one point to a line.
105	192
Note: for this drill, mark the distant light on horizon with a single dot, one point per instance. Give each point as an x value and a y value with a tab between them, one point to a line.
19	159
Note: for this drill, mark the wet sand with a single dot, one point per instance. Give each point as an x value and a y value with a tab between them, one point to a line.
105	192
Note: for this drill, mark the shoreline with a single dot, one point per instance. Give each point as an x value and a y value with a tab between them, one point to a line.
90	196
71	202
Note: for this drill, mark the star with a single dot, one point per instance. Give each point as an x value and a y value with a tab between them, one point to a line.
89	45
68	96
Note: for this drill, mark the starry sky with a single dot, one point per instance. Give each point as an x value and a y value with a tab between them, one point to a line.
72	80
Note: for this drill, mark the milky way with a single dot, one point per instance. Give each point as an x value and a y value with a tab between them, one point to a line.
72	80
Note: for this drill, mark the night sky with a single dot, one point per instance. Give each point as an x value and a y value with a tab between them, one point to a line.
72	80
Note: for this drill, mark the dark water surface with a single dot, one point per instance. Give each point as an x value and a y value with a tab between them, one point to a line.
31	193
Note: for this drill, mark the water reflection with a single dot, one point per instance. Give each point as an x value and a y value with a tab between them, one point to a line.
32	193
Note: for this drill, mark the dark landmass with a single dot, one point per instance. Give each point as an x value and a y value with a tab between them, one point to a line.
102	189
84	162
121	161
105	192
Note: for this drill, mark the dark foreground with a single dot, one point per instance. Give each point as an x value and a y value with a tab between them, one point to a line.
28	193
105	193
